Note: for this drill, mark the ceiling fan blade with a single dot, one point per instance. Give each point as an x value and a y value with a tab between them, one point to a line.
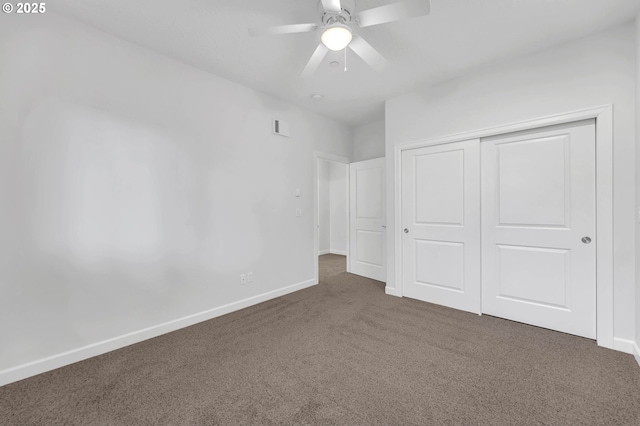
316	59
332	6
393	12
367	53
283	29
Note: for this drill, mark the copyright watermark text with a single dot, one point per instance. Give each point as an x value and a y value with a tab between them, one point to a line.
24	8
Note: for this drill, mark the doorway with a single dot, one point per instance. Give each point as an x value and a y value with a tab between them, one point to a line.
332	206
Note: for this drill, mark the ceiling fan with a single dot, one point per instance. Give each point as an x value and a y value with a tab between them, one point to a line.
338	22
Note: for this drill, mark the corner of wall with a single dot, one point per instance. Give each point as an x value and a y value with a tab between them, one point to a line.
637	180
369	141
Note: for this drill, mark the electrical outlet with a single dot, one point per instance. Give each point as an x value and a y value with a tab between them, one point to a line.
243	278
249	277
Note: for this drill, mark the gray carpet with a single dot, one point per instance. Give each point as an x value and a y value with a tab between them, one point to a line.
341	352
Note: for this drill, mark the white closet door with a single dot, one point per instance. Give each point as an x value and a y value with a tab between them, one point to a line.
441	221
367	227
538	227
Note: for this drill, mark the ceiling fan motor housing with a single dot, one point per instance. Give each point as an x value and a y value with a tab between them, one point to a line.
344	17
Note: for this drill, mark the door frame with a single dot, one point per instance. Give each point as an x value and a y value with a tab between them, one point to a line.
320	155
604	202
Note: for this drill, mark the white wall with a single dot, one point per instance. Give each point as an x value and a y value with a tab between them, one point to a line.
589	72
339	207
637	345
368	141
324	207
134	190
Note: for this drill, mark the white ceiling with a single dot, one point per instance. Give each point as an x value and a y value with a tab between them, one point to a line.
458	36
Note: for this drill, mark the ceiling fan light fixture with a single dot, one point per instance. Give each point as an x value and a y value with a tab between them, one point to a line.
336	37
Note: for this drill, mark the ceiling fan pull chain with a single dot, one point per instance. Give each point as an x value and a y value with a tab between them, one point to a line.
345	59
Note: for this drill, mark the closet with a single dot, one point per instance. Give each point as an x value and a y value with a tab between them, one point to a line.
505	226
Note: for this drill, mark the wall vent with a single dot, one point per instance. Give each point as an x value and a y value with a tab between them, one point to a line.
281	128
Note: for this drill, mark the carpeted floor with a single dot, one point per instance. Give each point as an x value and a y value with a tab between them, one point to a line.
341	352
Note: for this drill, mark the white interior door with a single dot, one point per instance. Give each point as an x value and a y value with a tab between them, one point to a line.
538	207
441	224
367	227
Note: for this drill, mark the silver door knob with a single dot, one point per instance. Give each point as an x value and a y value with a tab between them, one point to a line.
406	231
586	240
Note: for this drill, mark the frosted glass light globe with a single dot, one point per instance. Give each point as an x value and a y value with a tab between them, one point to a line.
336	37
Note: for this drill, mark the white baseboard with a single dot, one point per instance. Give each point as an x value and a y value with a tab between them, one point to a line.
636	352
321	252
391	291
623	345
340	252
60	360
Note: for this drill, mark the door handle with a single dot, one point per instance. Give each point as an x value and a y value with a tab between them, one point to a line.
586	240
406	230
383	226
